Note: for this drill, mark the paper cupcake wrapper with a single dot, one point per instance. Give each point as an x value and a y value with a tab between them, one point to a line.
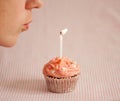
61	85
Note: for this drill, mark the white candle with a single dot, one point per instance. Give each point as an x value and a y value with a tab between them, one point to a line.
63	32
61	45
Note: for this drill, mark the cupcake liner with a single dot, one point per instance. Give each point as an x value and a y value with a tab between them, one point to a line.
61	85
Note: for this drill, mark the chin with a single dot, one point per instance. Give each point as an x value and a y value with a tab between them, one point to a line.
8	42
10	45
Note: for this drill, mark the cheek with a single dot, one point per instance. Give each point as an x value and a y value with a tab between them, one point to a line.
15	16
19	16
12	17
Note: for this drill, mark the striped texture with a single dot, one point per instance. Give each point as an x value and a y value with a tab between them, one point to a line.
62	85
96	83
93	41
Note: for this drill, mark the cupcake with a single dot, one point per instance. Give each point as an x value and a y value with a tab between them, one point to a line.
61	75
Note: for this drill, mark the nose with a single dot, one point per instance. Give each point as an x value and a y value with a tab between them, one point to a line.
30	4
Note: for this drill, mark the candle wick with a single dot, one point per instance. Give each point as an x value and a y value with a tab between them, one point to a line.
60	33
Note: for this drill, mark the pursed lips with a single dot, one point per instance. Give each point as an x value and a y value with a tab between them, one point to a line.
26	25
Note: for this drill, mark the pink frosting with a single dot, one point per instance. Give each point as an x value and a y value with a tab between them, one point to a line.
61	67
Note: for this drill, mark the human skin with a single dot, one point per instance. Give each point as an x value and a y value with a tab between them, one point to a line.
15	17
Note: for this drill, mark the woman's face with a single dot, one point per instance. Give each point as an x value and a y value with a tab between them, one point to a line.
15	16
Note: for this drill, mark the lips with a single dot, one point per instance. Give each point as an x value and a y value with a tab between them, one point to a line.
26	26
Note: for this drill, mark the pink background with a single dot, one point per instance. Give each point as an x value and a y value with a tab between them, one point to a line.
93	41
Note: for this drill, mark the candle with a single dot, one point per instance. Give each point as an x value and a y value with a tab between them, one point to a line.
62	33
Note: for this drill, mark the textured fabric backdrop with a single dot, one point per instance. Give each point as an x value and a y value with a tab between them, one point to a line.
93	41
